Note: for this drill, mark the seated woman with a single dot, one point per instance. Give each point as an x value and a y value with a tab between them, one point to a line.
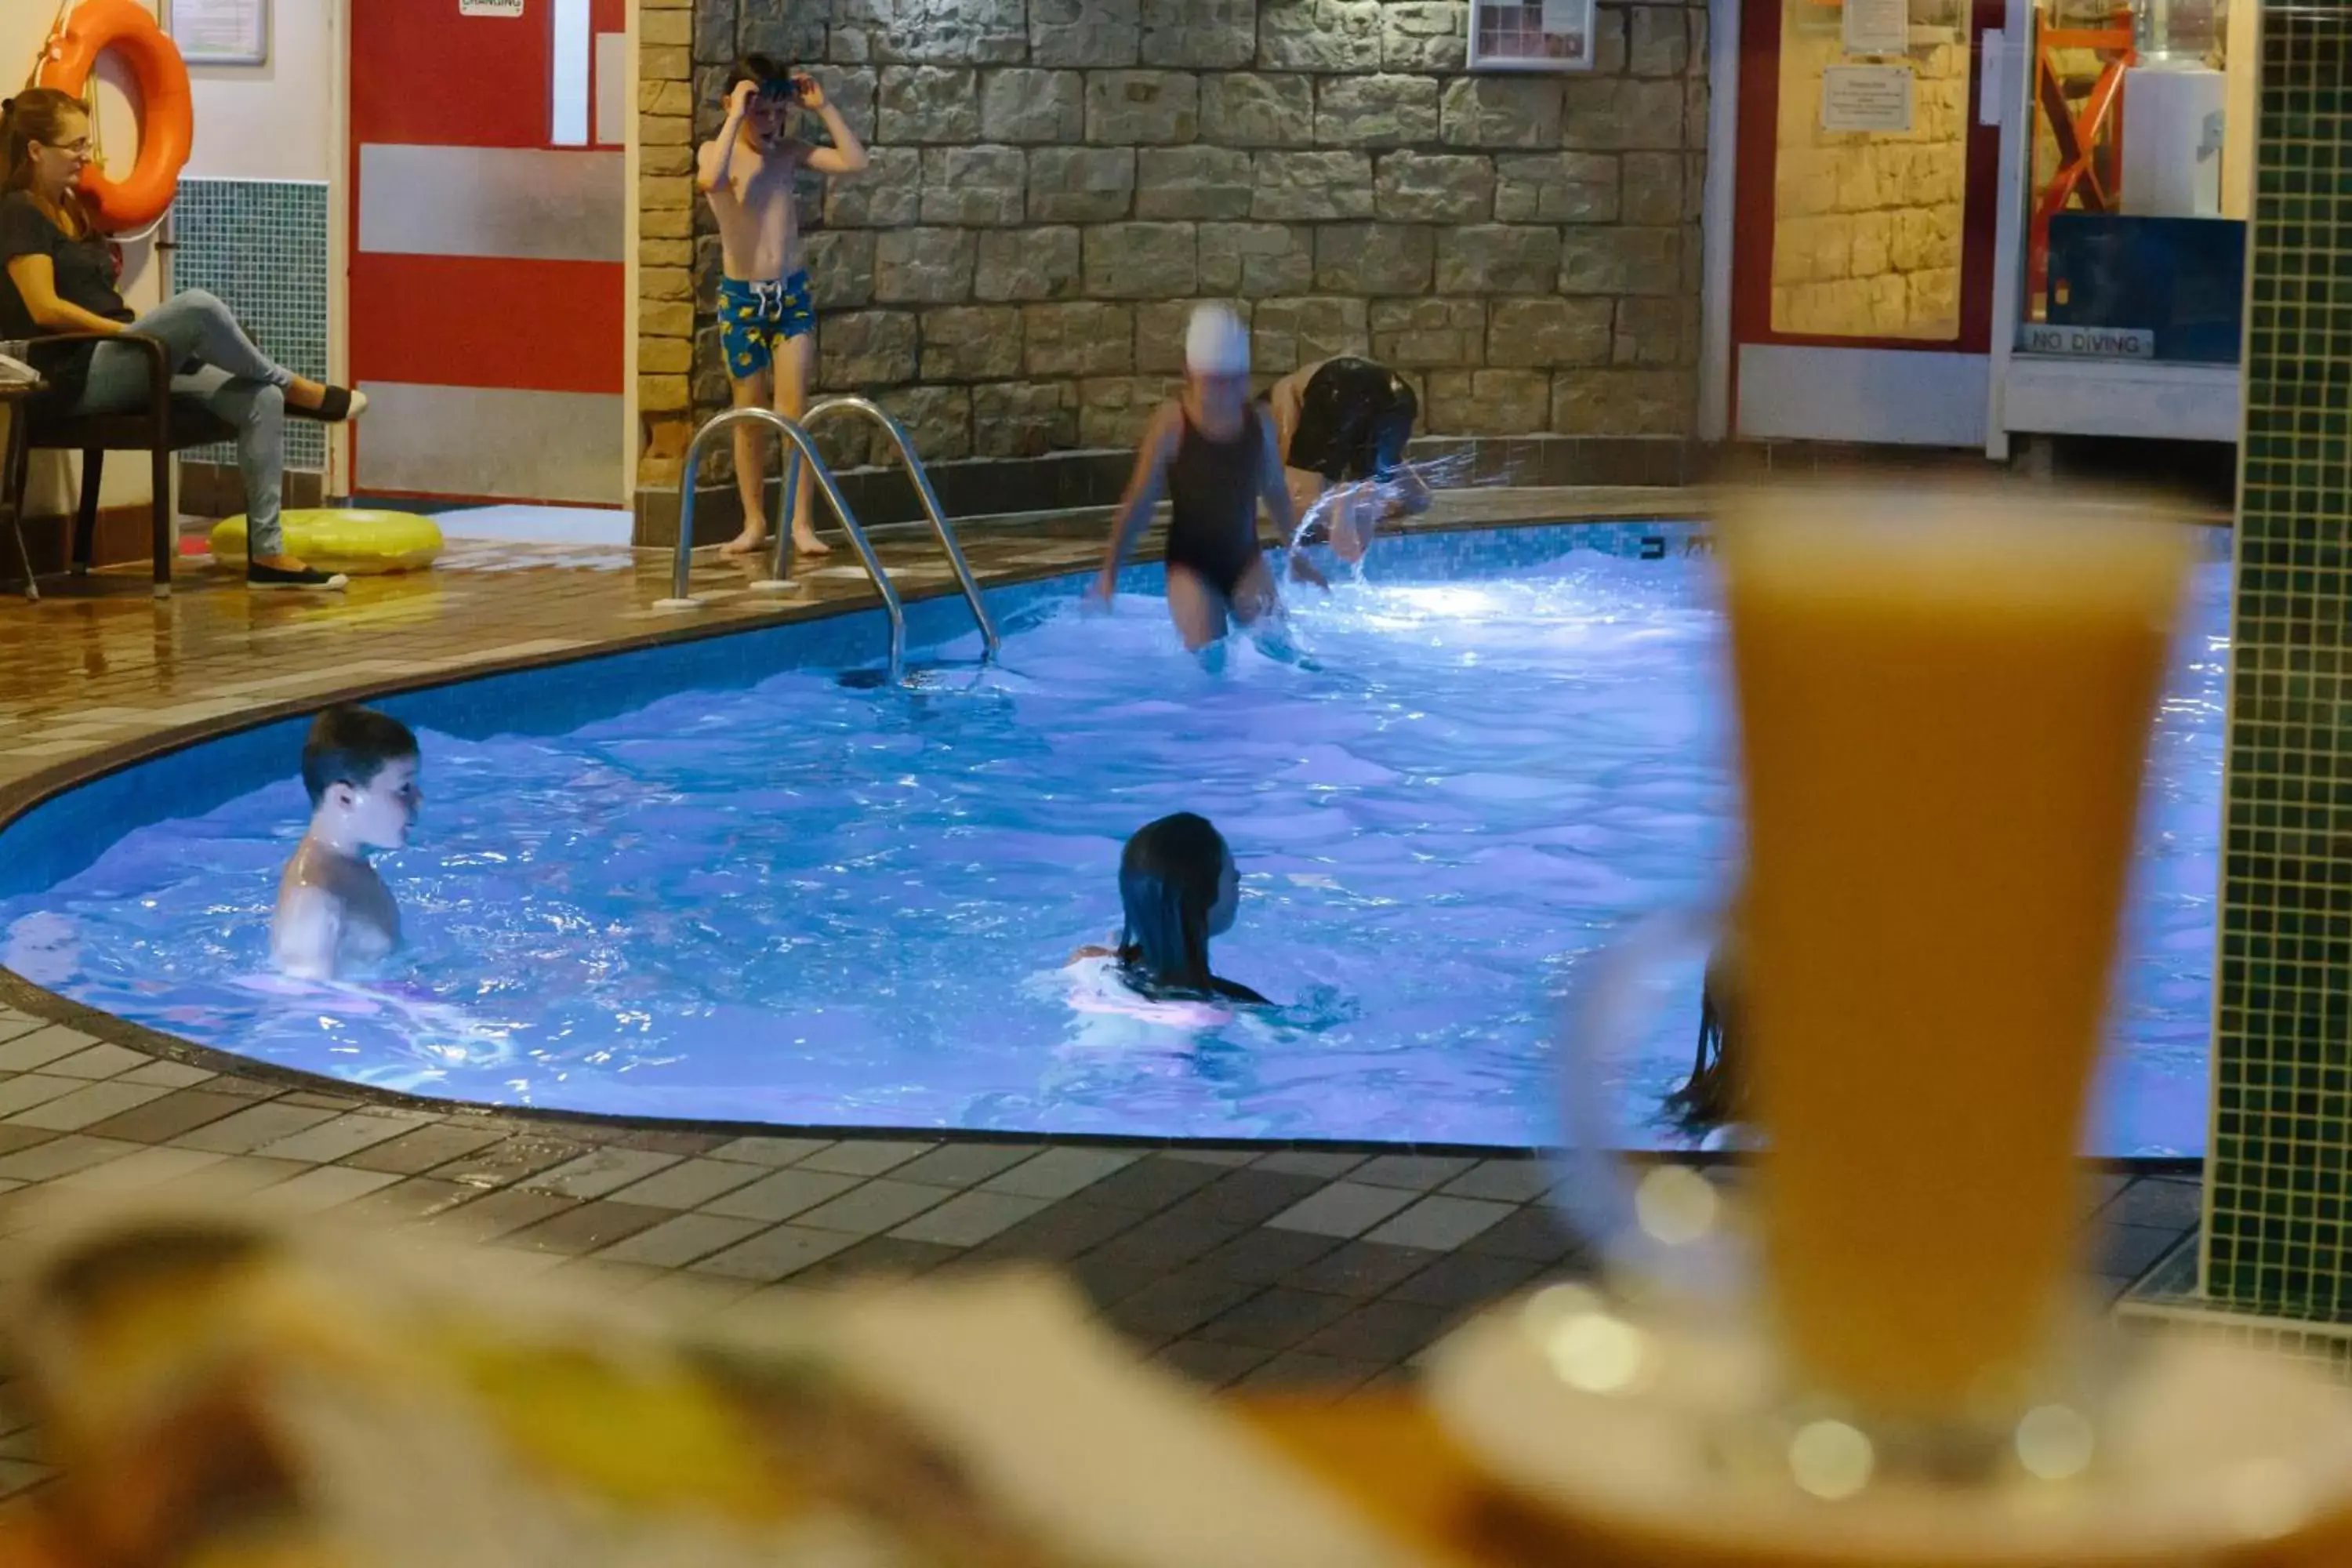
1179	887
57	275
1344	423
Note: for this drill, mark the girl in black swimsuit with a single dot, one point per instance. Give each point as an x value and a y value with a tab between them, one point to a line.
1212	452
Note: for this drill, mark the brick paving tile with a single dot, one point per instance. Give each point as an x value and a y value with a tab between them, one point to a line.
667	1140
1504	1181
414	1152
2161	1202
1060	1172
1362	1268
245	1132
1439	1222
507	1160
343	1137
39	1047
879	1257
1151	1183
160	1119
770	1150
1168	1241
1107	1282
680	1239
874	1206
1210	1364
1305	1373
1534	1232
1421	1173
494	1214
777	1253
964	1164
88	1105
1059	1234
322	1187
2127	1251
1247	1197
588	1227
968	1218
864	1156
599	1173
1267	1255
171	1075
1178	1303
26	1090
62	1157
1466	1279
98	1061
15	1138
241	1174
1380	1332
781	1195
1275	1320
1342	1209
316	1100
691	1183
1311	1162
415	1197
147	1169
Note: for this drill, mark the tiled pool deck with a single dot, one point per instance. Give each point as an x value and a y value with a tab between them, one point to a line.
1239	1265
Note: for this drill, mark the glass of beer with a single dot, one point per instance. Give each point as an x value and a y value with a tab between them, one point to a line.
1944	705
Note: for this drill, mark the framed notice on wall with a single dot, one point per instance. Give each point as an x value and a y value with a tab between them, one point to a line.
219	32
1530	34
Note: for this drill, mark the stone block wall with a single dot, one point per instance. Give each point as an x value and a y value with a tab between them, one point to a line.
1056	183
1867	236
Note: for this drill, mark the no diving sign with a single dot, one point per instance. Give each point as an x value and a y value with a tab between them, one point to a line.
489	7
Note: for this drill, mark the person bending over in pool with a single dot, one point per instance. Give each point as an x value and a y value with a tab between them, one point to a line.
1713	1097
1178	887
334	913
767	318
1341	425
1213	451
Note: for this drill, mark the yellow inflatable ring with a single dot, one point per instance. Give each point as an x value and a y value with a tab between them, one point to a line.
343	539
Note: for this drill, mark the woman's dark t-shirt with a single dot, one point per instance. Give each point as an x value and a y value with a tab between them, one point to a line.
85	276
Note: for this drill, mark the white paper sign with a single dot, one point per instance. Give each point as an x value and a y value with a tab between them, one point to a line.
1877	26
1866	98
2089	342
489	7
221	32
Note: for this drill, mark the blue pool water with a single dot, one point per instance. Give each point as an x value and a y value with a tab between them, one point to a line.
802	901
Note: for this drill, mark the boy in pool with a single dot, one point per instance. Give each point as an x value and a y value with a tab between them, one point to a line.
334	913
766	318
1341	425
1213	451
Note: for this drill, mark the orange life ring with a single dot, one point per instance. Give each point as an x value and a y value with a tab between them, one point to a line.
167	127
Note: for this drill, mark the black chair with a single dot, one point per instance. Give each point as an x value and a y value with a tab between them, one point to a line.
163	426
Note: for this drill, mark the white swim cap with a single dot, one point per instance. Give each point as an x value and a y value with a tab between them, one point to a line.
1216	343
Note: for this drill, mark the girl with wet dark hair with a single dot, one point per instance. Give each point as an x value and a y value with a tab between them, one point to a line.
1179	887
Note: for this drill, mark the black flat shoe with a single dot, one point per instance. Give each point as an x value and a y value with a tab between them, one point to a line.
340	407
309	577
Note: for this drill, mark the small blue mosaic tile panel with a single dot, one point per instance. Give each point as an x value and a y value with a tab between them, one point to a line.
261	246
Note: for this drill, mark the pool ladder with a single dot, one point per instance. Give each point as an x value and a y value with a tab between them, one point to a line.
799	449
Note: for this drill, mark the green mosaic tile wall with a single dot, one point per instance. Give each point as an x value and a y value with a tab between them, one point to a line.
2283	1042
261	246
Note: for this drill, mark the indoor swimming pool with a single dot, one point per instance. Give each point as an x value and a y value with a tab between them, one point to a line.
718	881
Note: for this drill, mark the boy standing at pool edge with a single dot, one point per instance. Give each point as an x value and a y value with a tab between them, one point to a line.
334	913
766	319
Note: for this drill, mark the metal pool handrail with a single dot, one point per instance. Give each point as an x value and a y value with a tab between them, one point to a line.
797	445
851	403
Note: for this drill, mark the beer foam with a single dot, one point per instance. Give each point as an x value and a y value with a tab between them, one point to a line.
1952	550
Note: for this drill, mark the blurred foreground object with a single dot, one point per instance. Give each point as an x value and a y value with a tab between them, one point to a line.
221	1389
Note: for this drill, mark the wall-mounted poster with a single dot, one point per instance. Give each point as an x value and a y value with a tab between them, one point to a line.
219	32
1530	34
